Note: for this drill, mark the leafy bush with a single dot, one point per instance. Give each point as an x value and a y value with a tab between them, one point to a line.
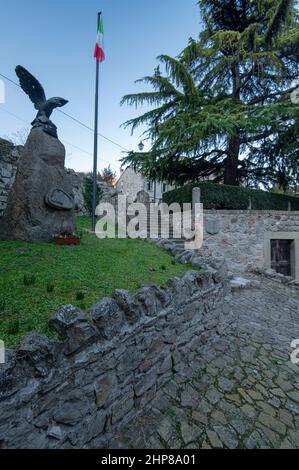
87	191
217	196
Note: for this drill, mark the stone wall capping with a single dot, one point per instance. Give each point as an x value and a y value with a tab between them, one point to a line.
251	212
66	317
108	317
273	275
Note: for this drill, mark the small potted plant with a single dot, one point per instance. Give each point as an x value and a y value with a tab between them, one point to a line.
66	238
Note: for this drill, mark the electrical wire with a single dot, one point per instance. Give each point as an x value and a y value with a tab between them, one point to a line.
72	118
64	141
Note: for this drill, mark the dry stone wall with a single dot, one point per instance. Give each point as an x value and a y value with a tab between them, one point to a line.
77	392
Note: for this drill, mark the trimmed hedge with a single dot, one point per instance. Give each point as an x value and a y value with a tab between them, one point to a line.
218	196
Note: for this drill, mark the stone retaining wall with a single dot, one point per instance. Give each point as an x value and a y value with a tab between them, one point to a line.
78	392
8	170
77	183
240	236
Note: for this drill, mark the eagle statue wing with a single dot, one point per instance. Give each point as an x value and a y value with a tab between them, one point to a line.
31	87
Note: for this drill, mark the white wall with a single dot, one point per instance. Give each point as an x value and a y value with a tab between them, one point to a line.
131	182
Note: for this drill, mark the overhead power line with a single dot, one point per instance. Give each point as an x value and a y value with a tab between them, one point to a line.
72	118
63	140
14	115
91	129
9	80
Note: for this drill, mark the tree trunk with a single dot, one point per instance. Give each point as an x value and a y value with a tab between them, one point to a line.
232	161
233	150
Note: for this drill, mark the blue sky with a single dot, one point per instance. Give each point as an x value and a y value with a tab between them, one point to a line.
55	40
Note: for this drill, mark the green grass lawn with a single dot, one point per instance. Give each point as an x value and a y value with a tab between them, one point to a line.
36	279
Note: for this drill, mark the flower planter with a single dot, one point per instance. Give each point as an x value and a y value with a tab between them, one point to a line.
67	240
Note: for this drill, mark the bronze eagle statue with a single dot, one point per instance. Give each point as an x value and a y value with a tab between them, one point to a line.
31	86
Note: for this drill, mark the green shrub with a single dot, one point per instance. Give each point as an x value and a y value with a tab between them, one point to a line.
87	191
50	288
217	196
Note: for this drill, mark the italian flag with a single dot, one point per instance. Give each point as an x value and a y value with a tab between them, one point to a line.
99	53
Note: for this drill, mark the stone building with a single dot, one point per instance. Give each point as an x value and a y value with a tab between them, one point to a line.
131	182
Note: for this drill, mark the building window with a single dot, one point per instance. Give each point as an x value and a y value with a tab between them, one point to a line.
164	187
149	186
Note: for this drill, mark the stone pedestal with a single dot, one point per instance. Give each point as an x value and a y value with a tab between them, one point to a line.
39	204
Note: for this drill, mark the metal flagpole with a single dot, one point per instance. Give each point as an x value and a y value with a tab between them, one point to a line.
95	148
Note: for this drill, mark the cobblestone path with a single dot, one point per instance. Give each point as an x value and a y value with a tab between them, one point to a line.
243	392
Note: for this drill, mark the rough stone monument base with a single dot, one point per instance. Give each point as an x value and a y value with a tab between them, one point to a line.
41	185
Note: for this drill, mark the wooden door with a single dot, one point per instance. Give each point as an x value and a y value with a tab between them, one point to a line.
281	256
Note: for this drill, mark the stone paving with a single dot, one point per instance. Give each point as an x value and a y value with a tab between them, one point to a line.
242	392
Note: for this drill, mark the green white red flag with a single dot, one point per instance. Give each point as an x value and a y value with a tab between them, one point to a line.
99	53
